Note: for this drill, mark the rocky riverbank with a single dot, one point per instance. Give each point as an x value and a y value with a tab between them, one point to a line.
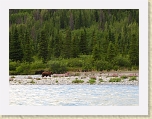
78	78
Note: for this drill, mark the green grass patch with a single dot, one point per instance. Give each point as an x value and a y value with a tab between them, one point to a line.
115	80
92	81
101	80
77	81
132	78
124	77
12	76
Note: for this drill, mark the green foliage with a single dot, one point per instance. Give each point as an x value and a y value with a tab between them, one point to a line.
92	81
111	52
13	65
124	77
37	65
87	65
77	81
132	78
69	33
27	48
96	53
43	47
16	52
101	65
57	67
134	50
115	80
101	80
74	62
24	68
121	61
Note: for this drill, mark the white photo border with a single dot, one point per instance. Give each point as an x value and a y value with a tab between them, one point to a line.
6	109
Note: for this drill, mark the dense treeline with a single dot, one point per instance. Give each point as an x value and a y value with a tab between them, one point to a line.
89	39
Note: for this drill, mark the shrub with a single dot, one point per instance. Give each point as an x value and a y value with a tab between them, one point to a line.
57	67
12	76
74	62
37	65
115	80
124	76
93	77
92	81
24	68
56	81
121	61
77	81
13	65
87	65
101	65
132	78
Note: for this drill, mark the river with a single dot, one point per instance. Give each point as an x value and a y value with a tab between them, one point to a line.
74	95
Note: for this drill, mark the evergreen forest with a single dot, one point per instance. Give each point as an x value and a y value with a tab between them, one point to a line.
64	40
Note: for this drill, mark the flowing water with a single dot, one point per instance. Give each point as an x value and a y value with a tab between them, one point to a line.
74	95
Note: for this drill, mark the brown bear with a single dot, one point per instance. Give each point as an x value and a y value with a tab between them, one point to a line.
46	73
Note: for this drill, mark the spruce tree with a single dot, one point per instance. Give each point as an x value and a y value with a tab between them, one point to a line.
75	48
43	47
134	51
111	52
83	43
15	52
28	48
66	51
96	53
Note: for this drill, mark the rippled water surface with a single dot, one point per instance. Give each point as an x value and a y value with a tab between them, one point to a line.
74	95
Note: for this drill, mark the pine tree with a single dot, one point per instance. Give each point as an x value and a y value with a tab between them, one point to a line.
96	53
43	47
75	48
83	42
15	52
66	51
111	52
57	46
134	51
28	48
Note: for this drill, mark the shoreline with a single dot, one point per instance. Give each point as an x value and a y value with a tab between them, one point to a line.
77	78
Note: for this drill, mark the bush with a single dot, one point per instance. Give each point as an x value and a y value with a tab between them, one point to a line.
101	65
77	81
87	65
37	65
121	61
57	67
74	62
92	81
13	65
115	80
132	78
124	77
24	68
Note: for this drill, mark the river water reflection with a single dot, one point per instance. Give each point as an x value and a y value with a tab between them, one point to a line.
74	95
